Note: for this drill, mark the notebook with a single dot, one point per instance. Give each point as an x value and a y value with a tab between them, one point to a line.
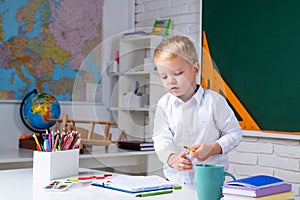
134	184
258	181
256	192
279	196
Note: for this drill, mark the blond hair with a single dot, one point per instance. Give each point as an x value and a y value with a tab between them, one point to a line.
176	46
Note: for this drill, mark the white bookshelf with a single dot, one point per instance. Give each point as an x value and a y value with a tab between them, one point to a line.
132	109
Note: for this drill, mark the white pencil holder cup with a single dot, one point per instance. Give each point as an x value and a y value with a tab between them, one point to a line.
55	165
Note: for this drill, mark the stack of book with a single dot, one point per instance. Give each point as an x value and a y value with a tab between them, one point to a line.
136	145
259	187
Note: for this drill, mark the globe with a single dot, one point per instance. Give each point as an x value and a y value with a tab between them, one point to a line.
37	109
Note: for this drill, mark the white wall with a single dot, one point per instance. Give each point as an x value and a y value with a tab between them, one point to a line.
259	152
117	17
183	13
186	17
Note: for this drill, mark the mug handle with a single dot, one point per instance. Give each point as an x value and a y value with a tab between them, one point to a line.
228	174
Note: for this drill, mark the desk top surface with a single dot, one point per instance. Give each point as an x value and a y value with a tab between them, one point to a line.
18	184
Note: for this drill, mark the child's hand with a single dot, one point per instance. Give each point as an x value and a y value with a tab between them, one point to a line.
204	151
180	162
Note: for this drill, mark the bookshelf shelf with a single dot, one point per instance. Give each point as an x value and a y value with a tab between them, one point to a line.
138	86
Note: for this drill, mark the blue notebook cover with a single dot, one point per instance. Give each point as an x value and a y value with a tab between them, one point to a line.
132	191
258	181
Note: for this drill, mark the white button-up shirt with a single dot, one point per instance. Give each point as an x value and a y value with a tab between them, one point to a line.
204	118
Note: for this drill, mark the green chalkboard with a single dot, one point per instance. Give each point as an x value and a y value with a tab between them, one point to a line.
255	45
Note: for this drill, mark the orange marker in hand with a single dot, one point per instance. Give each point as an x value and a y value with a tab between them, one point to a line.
189	148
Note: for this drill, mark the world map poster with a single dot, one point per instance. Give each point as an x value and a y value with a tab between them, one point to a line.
49	45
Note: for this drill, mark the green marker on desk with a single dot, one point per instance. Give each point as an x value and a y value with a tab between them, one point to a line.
154	193
176	187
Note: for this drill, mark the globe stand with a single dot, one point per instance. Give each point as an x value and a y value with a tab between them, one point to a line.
27	141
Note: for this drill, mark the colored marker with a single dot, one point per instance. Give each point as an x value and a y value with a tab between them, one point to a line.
154	193
52	140
49	140
68	143
86	178
77	143
189	148
55	143
176	187
37	143
59	144
73	179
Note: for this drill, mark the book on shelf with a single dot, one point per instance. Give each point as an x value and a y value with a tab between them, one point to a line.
256	192
279	196
135	33
136	145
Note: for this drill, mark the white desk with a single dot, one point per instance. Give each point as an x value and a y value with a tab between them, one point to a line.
120	160
18	184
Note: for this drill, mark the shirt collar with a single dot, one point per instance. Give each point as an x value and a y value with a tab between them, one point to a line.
196	97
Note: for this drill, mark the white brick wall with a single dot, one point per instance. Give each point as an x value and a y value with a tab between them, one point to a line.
271	156
184	14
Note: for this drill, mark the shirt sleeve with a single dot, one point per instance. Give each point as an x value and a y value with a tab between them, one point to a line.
162	136
227	123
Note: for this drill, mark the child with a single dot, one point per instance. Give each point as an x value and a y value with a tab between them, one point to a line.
189	115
